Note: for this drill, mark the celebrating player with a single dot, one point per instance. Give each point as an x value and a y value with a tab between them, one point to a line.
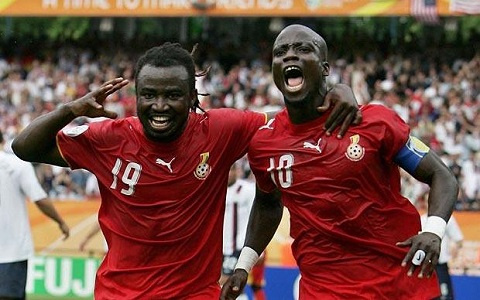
355	236
162	176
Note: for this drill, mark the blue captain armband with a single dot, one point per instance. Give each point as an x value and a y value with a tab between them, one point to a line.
411	154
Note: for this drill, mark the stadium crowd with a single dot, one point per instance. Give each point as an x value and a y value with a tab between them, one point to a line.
440	100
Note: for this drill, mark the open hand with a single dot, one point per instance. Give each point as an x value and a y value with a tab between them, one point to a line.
91	105
345	109
424	252
65	230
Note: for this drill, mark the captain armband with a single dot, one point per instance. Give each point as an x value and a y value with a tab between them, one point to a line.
411	154
248	258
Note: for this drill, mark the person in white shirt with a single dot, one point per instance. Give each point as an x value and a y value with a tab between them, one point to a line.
451	243
239	200
18	183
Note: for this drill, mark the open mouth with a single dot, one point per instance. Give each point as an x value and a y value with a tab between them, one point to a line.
159	122
293	78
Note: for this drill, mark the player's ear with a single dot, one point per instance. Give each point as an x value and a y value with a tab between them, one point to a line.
325	68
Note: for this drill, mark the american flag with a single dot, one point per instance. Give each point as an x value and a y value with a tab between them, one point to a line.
425	11
471	7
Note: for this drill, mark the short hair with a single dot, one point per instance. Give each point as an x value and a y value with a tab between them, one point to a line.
1	137
168	55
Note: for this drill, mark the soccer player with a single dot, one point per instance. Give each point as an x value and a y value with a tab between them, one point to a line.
18	183
162	176
355	236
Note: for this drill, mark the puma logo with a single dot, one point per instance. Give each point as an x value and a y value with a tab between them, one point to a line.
163	163
309	145
268	125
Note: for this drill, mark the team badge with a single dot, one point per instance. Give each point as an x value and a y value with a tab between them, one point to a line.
355	152
203	168
75	131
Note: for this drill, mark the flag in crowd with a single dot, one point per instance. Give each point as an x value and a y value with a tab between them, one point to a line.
425	11
471	7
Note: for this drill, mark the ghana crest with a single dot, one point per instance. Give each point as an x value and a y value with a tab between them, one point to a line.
355	151
203	168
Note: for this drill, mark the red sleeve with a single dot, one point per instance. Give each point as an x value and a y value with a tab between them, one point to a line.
262	177
77	144
392	131
236	128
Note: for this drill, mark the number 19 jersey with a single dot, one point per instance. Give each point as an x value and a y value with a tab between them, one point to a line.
162	203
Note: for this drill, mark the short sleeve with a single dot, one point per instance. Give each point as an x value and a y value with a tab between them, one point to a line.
264	182
76	143
236	129
395	132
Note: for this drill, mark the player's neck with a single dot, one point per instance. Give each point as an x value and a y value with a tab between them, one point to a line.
302	111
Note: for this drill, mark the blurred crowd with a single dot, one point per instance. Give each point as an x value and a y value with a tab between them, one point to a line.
440	100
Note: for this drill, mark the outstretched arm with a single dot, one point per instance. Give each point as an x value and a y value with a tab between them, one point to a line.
265	217
37	142
441	201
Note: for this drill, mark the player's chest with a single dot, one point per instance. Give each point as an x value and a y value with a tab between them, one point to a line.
141	173
299	160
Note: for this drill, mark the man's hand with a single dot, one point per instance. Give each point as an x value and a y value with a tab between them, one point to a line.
65	230
234	285
91	105
345	109
423	253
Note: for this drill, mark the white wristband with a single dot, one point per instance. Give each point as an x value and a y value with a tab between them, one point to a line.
247	259
435	225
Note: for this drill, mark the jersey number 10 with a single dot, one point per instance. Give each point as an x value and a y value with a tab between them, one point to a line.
283	171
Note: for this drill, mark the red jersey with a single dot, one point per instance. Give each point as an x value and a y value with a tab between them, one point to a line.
346	210
162	203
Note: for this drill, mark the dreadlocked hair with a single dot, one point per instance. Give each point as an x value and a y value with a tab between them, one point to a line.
201	73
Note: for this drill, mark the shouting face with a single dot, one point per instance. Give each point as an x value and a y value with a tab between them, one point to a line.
299	63
164	100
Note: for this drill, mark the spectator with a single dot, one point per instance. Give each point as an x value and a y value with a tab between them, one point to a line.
18	184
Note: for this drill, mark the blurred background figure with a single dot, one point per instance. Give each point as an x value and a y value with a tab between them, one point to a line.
94	230
239	200
19	184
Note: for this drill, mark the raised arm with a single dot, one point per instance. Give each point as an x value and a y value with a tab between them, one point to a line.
37	142
265	217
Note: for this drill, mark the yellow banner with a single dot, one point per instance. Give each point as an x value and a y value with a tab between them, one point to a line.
246	8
